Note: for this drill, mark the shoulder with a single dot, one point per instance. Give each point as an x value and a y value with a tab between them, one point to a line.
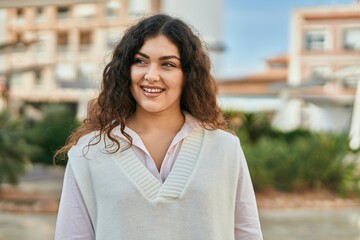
221	141
87	146
222	136
224	148
93	144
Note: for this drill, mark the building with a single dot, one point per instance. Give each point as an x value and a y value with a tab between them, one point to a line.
314	85
55	51
324	67
2	78
258	91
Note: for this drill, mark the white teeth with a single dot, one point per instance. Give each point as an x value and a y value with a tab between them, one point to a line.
152	90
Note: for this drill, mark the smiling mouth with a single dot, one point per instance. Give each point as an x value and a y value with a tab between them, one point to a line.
152	90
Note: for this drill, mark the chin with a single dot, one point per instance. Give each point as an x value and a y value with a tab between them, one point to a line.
152	109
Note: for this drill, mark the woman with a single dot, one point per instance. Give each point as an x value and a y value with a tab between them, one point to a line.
152	159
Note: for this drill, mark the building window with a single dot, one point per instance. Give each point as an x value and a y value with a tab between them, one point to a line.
63	12
139	7
316	40
20	13
351	39
321	71
112	9
20	46
86	73
85	11
37	73
40	47
16	80
20	16
62	41
65	72
349	75
39	14
19	37
112	39
85	40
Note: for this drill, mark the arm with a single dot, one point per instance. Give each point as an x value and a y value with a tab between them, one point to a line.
73	220
247	224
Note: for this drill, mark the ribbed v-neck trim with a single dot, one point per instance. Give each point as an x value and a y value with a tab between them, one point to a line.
179	175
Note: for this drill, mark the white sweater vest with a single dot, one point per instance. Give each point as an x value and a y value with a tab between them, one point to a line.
196	201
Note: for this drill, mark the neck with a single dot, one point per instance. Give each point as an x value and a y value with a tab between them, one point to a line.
142	121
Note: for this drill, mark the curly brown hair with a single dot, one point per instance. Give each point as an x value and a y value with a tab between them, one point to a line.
115	103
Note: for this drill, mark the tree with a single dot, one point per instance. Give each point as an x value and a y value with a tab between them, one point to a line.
14	150
51	132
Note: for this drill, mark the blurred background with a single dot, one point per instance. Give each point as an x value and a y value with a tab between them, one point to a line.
288	81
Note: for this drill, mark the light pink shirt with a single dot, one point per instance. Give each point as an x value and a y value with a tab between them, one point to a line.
73	220
144	156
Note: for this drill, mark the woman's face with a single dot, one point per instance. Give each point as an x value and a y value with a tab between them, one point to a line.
156	76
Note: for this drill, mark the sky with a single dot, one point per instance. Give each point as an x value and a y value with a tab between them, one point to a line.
257	29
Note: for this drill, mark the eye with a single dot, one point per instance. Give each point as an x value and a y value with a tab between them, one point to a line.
169	64
139	61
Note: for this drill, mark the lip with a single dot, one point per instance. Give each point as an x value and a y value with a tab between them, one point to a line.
152	91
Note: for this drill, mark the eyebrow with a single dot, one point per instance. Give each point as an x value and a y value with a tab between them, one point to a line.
161	58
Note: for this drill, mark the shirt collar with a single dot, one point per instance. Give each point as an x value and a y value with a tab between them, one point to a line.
190	124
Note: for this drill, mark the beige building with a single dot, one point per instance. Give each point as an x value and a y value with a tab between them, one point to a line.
258	91
324	41
315	84
55	51
324	67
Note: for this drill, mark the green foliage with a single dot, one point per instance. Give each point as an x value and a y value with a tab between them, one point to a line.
306	163
250	126
298	160
255	125
50	133
22	142
14	150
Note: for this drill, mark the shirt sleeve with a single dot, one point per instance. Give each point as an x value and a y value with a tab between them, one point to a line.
73	220
247	224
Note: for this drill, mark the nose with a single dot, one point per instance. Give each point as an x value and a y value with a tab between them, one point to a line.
152	74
